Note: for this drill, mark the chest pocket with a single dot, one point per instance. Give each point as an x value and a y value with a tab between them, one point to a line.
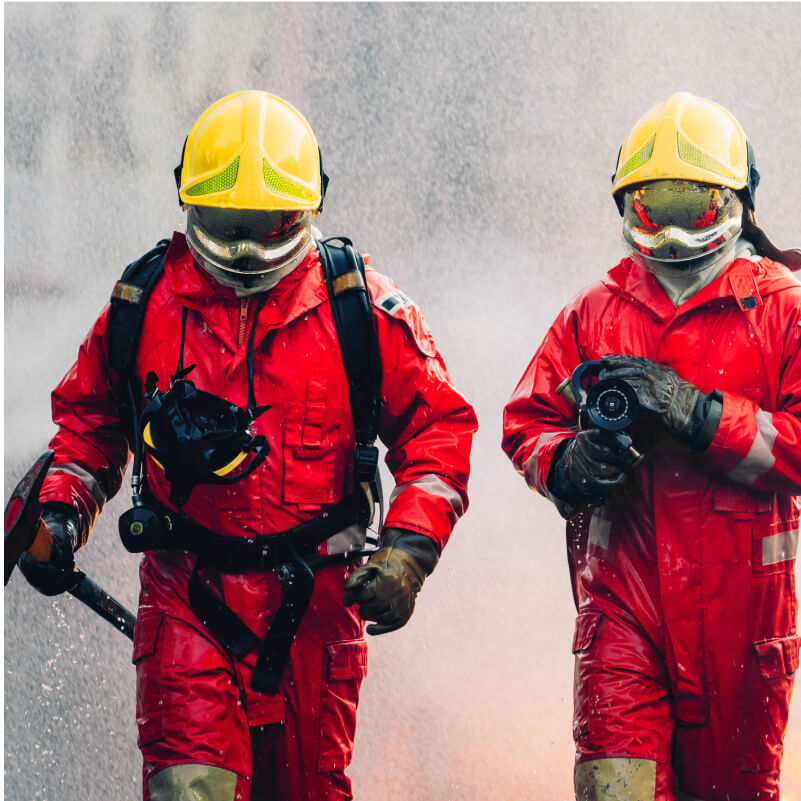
314	456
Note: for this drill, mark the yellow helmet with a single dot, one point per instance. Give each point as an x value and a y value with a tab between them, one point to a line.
687	138
691	139
251	150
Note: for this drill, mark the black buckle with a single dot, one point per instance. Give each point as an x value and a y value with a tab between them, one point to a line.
366	463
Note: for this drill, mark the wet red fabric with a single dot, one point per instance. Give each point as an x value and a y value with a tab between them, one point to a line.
686	635
425	423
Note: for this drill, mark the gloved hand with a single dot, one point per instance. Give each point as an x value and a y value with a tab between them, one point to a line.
587	466
58	574
660	391
386	586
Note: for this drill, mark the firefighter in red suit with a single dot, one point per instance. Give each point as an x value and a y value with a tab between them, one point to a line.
243	311
682	562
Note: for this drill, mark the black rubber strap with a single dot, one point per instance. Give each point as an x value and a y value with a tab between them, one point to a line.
125	321
352	310
295	548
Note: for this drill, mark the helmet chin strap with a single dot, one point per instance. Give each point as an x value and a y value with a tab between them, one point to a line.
681	285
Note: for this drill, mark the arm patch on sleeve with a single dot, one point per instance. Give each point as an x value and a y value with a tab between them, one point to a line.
400	306
393	301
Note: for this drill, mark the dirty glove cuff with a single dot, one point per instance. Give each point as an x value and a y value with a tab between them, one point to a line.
57	575
418	546
705	421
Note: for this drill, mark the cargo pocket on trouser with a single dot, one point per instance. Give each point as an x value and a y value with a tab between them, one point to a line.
344	667
769	683
587	626
149	710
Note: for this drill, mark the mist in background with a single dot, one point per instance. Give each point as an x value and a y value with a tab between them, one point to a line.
470	149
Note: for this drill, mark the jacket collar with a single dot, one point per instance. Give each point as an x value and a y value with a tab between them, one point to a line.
296	294
743	282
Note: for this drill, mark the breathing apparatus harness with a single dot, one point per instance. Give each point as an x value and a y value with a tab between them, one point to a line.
212	439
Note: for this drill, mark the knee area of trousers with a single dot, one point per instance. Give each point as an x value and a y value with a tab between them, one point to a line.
615	779
192	783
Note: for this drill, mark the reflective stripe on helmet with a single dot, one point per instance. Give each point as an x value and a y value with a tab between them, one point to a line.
217	183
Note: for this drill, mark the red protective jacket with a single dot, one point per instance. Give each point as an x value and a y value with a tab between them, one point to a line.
425	423
699	548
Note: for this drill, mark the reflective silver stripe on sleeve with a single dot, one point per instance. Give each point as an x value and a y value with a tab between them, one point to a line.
349	539
779	547
600	528
434	485
760	458
531	466
84	476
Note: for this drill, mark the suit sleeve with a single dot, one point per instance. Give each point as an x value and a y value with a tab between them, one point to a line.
91	452
426	424
536	420
758	447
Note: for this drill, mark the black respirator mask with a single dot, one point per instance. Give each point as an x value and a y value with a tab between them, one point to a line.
197	437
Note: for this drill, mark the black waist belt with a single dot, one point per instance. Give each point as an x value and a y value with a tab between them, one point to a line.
295	549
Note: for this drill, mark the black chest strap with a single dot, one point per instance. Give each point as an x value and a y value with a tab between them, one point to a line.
352	309
293	551
126	318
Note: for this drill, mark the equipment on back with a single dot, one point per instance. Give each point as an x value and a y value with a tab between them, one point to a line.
184	420
691	139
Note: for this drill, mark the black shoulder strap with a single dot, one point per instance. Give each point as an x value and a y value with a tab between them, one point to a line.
352	309
125	320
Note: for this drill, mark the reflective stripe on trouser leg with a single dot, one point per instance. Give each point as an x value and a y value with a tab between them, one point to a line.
192	783
616	779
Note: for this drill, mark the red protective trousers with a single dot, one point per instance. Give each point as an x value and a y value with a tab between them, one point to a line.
685	640
195	703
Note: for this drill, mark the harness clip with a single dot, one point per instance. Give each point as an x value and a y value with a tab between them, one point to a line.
366	464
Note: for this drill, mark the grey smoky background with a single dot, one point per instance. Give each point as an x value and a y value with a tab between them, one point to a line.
470	149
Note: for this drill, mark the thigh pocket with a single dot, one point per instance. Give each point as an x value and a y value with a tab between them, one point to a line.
344	667
588	624
769	682
147	658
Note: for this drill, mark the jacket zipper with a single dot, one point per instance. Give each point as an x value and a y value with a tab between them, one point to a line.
243	320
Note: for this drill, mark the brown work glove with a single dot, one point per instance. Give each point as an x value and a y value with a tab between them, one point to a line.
679	404
386	586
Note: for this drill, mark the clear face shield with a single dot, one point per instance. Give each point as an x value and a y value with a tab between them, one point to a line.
246	250
680	227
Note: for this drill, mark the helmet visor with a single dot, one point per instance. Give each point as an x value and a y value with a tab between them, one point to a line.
248	248
680	221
